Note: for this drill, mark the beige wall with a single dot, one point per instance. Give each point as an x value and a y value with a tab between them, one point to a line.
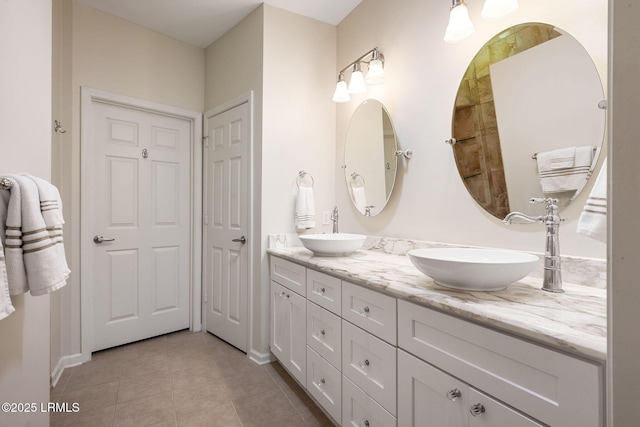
110	54
298	131
430	201
25	114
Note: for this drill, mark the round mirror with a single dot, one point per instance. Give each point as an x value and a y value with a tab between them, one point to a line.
528	119
370	160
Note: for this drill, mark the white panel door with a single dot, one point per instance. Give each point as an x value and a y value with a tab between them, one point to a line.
226	221
139	187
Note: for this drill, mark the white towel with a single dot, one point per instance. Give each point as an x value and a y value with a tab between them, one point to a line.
29	245
359	198
6	308
10	231
565	169
593	220
305	216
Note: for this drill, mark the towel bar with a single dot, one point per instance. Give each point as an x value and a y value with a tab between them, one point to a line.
301	176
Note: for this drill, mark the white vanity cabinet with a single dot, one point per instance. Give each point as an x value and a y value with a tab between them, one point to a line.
546	385
288	331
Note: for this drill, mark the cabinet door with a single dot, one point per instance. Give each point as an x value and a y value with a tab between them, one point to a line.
429	397
279	327
487	412
297	362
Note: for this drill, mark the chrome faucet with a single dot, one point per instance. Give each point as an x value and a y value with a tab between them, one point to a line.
334	219
552	273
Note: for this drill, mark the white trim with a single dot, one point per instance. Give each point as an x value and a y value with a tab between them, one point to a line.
89	95
63	363
261	358
245	98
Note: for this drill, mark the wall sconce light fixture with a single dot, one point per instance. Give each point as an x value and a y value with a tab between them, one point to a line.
460	25
358	83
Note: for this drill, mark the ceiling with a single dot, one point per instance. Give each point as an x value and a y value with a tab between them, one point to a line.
201	22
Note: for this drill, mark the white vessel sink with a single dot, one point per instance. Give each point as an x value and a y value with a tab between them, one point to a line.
472	269
336	244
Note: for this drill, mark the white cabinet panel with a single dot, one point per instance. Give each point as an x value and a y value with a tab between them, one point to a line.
428	397
325	290
289	274
372	311
371	364
360	410
489	413
324	384
552	387
324	334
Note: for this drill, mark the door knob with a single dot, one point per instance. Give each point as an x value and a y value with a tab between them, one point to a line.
241	240
99	239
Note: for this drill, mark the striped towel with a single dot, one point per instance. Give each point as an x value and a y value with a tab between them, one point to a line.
6	308
305	216
593	220
565	169
34	255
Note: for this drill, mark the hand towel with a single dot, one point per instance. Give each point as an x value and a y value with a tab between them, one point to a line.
565	169
51	209
27	235
305	208
6	308
359	198
593	220
11	233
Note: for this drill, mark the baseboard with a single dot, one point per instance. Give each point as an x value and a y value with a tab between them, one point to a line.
63	363
261	358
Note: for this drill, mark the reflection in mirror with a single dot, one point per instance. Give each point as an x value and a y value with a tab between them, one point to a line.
370	161
526	119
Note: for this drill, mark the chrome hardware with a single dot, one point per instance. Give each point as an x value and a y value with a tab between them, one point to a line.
5	184
364	363
145	153
57	127
300	179
99	239
367	210
322	382
552	269
453	394
365	423
450	141
602	104
477	409
406	153
323	290
334	219
322	332
241	240
282	294
365	310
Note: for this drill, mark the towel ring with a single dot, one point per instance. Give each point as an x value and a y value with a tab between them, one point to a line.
354	180
301	178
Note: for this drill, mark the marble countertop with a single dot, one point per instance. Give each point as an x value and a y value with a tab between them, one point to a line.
574	321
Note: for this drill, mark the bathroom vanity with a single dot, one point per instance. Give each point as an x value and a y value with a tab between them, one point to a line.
377	343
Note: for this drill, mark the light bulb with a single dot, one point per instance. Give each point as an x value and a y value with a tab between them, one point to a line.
342	93
375	75
495	9
356	84
460	25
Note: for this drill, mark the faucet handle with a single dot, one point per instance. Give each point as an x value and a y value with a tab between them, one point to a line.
548	201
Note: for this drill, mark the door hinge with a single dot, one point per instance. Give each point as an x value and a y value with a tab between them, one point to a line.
205	141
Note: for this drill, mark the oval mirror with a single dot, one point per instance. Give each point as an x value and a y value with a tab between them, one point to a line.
528	119
370	160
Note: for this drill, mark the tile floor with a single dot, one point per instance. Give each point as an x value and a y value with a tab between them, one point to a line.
182	379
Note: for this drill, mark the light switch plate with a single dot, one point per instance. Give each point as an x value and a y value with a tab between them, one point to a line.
326	217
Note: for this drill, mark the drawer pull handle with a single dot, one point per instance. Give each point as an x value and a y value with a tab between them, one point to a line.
365	311
364	363
453	394
282	294
321	332
322	290
365	423
477	409
321	382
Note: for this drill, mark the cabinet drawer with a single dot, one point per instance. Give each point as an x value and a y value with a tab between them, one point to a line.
371	310
324	334
552	387
324	384
371	364
359	410
495	413
289	274
324	290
